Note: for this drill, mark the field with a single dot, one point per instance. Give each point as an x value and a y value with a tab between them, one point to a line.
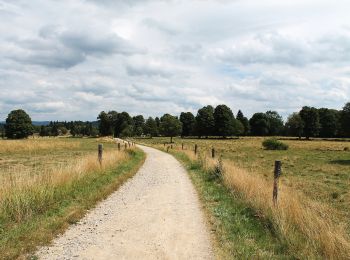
314	190
48	183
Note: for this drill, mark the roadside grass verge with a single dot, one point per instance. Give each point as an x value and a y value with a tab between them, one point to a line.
247	225
239	231
34	210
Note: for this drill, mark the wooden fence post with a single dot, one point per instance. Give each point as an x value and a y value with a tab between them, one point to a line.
171	146
195	149
213	153
126	146
118	146
167	149
182	146
277	174
100	151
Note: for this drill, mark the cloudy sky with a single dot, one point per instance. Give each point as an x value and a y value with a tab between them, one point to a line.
69	60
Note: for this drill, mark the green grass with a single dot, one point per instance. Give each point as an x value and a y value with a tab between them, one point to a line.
68	203
239	231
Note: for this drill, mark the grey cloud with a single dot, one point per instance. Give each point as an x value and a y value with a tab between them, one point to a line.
148	70
274	48
66	49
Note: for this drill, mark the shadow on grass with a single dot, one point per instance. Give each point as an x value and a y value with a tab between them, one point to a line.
341	162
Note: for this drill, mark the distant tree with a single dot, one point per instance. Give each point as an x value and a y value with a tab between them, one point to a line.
329	122
225	122
124	125
259	124
2	131
54	130
295	125
244	121
345	120
105	124
139	123
151	127
205	121
45	131
275	123
18	125
63	130
170	126
311	120
157	121
188	123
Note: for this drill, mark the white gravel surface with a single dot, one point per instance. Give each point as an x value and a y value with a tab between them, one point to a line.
155	215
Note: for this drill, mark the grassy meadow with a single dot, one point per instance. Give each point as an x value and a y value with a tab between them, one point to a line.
313	215
48	183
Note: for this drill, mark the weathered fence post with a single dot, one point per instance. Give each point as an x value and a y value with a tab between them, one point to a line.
118	146
212	152
129	144
126	146
100	151
277	173
167	149
164	144
182	146
195	149
171	146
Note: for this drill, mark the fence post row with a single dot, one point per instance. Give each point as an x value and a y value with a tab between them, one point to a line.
195	149
212	153
277	174
100	151
118	146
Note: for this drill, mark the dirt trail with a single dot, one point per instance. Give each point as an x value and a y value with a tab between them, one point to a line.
155	215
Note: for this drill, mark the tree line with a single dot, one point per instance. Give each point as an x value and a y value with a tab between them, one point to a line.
221	122
207	122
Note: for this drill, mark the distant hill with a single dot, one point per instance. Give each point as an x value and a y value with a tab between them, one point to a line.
40	123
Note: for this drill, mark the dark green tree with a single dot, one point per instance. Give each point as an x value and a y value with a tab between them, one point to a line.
345	120
329	122
224	121
188	123
205	121
170	126
18	125
139	123
275	122
311	120
294	125
244	121
259	124
151	127
123	125
105	124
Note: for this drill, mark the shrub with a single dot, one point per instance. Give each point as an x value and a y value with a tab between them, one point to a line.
274	144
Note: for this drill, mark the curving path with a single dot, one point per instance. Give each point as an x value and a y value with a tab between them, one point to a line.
155	215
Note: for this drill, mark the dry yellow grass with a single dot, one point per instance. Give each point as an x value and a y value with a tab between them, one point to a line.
35	144
307	226
22	188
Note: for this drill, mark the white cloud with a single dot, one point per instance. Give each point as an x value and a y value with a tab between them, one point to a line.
72	59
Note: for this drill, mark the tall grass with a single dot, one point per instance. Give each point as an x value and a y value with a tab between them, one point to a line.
24	192
305	225
27	145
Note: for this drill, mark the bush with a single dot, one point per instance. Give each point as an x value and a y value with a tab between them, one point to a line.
274	144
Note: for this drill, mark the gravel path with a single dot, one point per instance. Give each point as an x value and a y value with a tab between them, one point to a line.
155	215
